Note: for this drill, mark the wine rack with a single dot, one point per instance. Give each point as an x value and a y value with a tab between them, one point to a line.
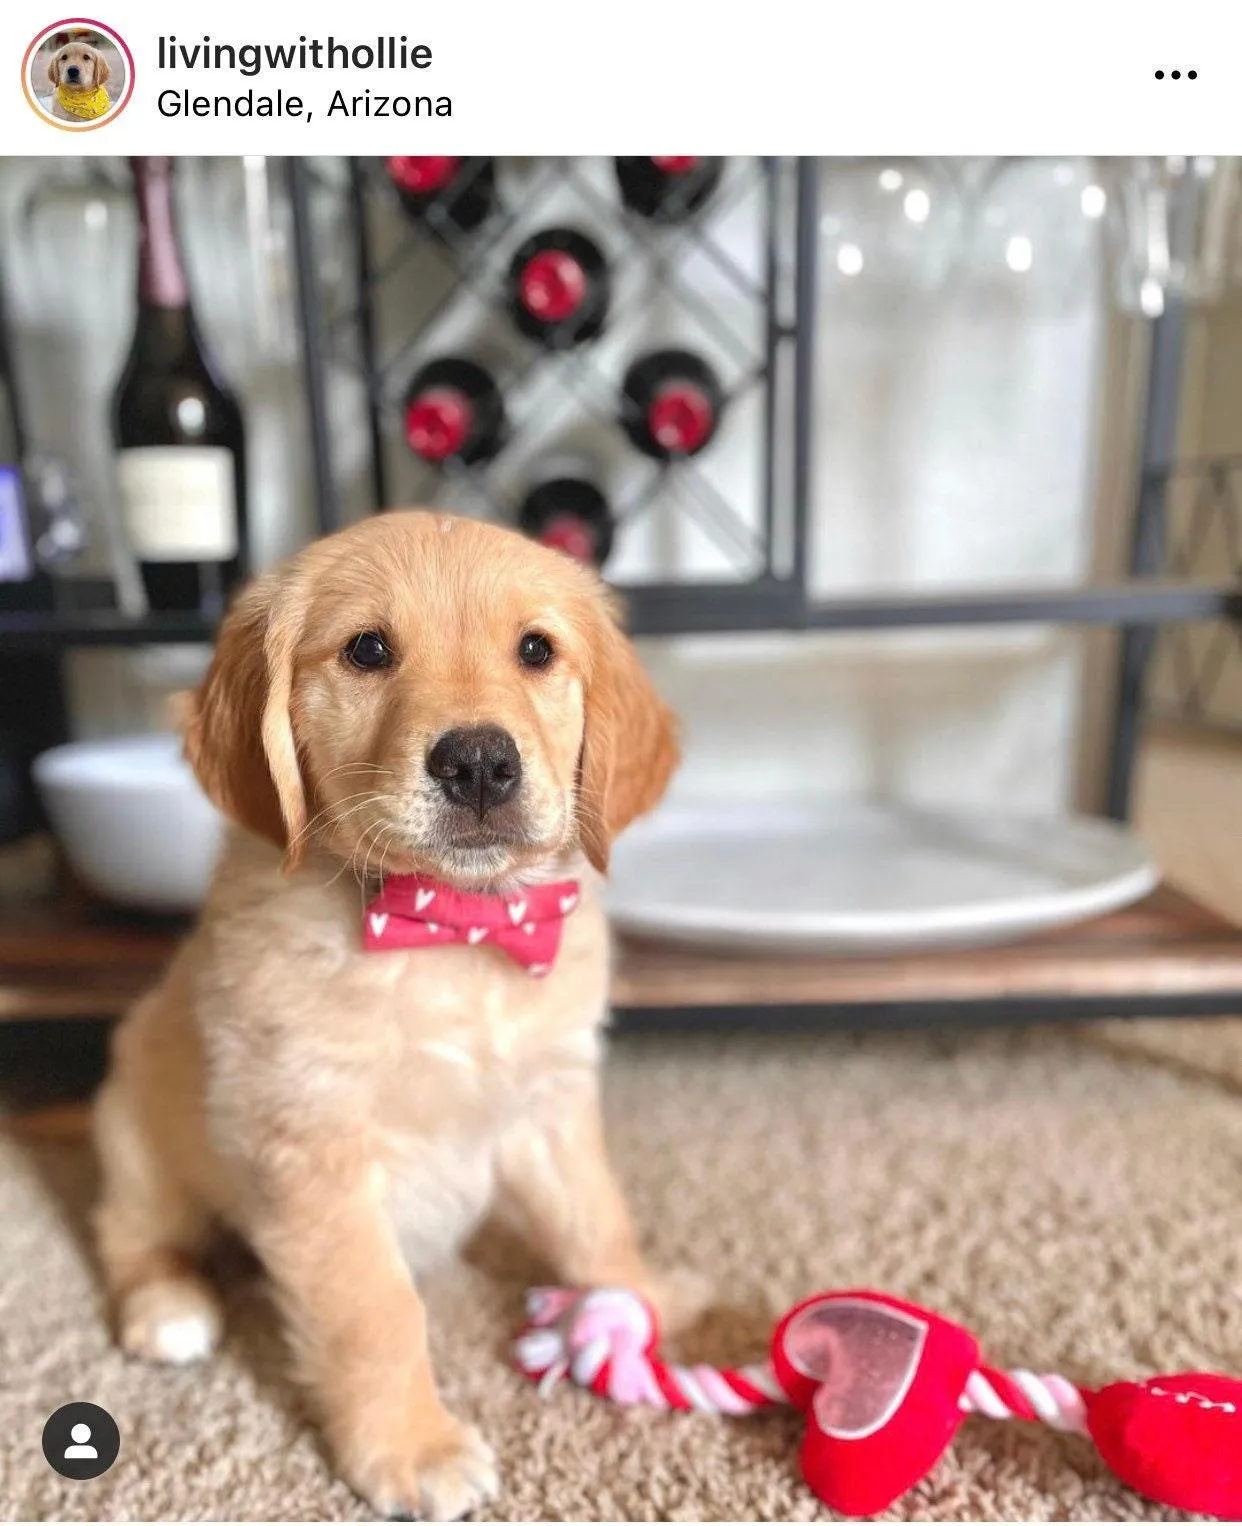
752	336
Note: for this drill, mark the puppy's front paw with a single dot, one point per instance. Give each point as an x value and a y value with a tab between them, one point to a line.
679	1297
441	1480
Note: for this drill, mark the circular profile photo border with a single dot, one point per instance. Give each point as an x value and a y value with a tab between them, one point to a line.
59	26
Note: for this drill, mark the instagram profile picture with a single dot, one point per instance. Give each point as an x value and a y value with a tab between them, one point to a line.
78	74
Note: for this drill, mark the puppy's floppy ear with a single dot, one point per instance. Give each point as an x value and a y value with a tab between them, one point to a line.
53	67
239	739
103	72
629	749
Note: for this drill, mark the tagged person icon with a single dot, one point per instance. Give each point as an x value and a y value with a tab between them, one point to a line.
81	1440
81	1435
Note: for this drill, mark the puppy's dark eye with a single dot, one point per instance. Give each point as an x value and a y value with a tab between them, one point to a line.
534	650
368	650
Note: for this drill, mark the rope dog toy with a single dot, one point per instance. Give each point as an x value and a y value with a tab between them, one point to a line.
884	1386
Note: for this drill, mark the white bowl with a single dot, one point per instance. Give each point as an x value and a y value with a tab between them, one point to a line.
132	820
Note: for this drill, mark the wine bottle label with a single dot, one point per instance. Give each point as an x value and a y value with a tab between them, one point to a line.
179	502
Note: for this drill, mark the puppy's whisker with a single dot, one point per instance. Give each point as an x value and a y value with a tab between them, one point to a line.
368	799
392	832
355	768
331	806
383	841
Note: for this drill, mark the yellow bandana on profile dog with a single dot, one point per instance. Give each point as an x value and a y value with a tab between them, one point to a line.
84	103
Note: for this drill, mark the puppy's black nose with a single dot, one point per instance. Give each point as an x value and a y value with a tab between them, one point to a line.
476	766
74	73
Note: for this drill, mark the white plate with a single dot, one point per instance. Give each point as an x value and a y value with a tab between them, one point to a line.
855	878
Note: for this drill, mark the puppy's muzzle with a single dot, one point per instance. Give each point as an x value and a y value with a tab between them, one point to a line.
477	767
74	74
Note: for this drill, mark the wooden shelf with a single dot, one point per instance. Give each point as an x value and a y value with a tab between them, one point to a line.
1165	950
74	958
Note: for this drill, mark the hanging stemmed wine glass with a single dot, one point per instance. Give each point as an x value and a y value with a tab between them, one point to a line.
1034	232
888	229
72	271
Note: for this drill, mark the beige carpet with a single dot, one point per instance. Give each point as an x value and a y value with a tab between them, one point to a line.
1081	1208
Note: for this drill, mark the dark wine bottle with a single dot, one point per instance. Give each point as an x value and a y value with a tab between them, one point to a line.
178	429
449	196
565	507
671	403
667	188
454	411
559	287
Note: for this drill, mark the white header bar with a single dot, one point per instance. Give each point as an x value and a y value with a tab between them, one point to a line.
564	76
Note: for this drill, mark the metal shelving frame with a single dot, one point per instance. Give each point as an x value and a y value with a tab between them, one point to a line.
1139	607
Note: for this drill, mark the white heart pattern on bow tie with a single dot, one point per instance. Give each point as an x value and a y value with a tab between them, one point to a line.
476	934
517	910
379	921
423	898
539	969
432	927
529	929
568	902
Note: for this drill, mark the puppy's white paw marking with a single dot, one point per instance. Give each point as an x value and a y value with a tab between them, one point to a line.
423	899
175	1322
476	934
517	910
379	921
568	902
181	1341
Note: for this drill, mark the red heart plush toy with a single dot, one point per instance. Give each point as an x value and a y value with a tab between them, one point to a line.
1176	1439
881	1383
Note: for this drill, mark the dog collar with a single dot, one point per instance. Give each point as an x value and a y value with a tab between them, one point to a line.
84	103
414	911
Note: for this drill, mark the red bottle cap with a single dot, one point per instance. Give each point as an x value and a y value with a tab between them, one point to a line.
571	536
438	423
552	285
675	164
680	418
423	176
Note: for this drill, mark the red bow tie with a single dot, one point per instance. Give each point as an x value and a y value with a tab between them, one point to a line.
412	911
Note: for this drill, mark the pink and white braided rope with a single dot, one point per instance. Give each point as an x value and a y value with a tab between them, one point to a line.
1021	1395
602	1341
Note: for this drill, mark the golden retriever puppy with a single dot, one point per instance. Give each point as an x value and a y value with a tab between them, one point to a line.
79	75
416	696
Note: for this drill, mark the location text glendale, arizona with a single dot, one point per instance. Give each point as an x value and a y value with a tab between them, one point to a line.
248	103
